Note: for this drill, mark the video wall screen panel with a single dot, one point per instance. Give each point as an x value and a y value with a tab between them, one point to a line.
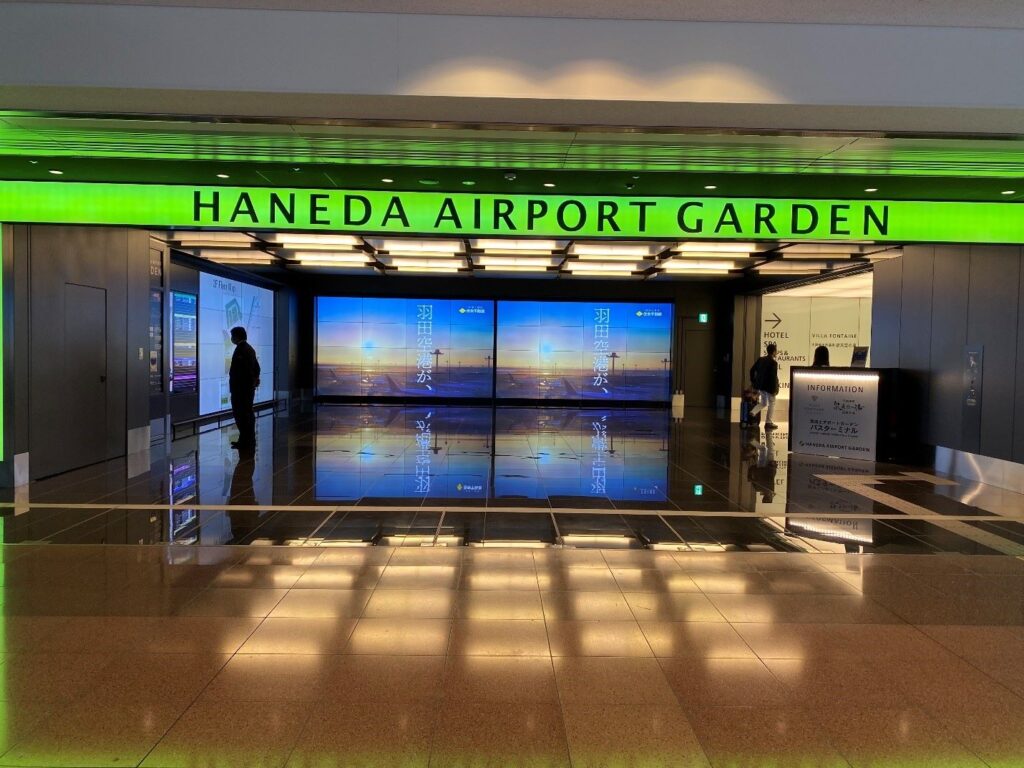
370	347
223	304
560	350
184	340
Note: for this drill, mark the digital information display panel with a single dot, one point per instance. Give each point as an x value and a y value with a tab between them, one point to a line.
404	347
184	364
223	304
584	351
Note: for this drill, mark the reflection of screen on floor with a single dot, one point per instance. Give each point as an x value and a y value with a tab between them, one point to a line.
222	306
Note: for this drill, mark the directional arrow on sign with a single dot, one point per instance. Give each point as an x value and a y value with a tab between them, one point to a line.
773	319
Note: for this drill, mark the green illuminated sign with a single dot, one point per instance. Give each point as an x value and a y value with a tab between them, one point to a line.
467	214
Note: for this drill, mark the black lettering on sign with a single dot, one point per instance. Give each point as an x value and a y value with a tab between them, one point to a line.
881	224
315	209
581	215
350	218
198	205
836	219
606	213
277	206
763	213
642	206
244	207
395	211
810	209
448	213
694	227
728	218
503	208
535	209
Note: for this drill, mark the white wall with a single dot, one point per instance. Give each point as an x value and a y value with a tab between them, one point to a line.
402	56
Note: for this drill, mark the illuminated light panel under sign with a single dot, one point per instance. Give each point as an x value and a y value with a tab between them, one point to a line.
684	266
469	214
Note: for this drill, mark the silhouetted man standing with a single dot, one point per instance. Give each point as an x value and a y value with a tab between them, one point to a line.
243	380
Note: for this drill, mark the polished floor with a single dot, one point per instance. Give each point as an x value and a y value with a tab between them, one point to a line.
616	478
327	603
463	656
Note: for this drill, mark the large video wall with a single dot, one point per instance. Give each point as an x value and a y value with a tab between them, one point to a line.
369	347
223	304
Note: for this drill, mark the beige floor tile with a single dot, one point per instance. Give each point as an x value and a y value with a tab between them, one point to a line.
701	639
586	606
84	734
801	583
715	562
869	736
848	680
753	737
597	638
400	637
271	678
672	606
427	556
354	556
978	642
734	583
157	678
834	609
365	735
499	605
724	683
301	557
419	577
243	601
340	577
513	679
259	576
479	637
322	604
651	580
287	636
597	680
41	634
237	734
24	716
663	561
603	735
500	735
575	577
488	578
196	634
384	678
52	678
806	641
497	558
994	733
411	604
581	558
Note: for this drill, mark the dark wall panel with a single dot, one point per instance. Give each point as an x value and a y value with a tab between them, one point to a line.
137	328
885	314
950	287
992	323
915	334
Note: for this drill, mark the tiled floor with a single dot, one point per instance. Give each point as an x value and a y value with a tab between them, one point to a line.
713	601
462	656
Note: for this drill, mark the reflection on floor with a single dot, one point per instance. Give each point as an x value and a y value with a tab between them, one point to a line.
459	475
460	656
604	589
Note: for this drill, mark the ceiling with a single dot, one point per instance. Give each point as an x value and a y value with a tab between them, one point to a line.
577	161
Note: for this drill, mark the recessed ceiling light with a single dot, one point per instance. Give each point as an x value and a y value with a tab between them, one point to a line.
549	184
56	172
388	181
1008	192
33	162
296	169
871	189
223	176
636	177
468	183
710	186
430	182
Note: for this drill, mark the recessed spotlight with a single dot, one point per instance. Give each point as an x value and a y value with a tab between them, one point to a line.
710	186
630	185
223	176
509	176
430	182
549	184
636	178
871	189
296	169
56	172
468	183
388	181
1008	192
33	162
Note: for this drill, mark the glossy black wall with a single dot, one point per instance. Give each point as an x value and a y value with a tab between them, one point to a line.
930	304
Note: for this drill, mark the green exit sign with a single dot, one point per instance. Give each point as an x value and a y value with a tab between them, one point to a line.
698	490
702	317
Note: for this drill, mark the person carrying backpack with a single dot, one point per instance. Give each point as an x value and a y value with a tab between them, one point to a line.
764	377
